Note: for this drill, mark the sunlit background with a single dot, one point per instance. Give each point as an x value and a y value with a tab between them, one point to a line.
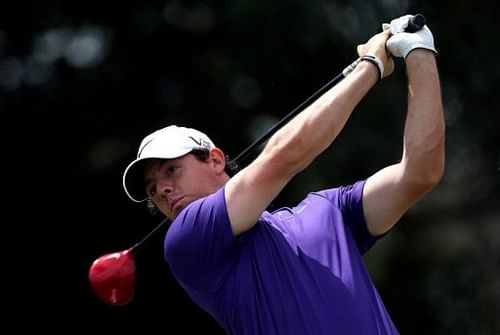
82	82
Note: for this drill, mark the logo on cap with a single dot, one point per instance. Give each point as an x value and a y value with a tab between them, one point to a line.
201	142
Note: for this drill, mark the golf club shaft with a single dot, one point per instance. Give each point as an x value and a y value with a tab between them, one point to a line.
137	246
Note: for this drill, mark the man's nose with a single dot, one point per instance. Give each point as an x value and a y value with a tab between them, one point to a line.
164	187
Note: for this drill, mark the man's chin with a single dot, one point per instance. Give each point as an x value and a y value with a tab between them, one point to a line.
175	212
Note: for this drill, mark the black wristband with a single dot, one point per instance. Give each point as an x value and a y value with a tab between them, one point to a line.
375	61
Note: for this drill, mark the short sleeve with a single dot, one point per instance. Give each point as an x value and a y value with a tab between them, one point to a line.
199	243
349	200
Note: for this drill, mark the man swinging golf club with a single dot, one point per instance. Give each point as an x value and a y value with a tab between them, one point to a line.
296	270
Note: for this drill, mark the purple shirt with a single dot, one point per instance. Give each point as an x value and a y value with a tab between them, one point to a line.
297	271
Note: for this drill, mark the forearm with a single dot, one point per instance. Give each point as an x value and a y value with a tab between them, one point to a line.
313	130
424	134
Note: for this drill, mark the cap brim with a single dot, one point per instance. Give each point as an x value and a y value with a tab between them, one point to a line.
133	177
133	180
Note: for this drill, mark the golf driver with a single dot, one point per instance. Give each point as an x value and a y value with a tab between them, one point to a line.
112	276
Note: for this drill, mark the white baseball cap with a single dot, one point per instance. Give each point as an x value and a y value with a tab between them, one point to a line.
166	143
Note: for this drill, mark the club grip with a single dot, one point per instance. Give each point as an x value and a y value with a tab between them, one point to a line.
415	23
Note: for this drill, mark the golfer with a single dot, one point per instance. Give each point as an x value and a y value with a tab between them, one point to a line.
298	269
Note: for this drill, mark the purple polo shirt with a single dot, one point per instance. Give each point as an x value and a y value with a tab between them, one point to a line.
297	271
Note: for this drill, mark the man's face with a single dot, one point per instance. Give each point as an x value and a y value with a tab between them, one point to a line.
174	183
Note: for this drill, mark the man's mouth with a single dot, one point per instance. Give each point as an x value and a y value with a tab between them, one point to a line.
176	204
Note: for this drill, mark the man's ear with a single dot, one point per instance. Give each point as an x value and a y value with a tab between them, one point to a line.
217	159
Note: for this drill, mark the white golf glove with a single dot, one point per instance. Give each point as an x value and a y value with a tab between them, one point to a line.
401	43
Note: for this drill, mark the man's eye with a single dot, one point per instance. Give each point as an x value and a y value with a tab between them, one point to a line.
171	169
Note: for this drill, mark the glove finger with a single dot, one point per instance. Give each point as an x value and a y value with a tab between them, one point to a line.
393	44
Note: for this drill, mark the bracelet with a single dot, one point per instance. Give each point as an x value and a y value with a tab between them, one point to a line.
375	61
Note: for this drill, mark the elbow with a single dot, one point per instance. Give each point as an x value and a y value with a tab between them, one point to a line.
426	174
434	176
429	176
425	165
435	167
439	171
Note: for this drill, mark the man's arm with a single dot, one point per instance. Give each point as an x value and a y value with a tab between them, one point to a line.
389	193
292	148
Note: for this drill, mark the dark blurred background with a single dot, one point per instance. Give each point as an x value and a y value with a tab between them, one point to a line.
81	83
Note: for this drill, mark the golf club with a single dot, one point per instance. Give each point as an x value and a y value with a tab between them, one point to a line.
112	276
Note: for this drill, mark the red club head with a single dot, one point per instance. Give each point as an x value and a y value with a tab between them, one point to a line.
112	277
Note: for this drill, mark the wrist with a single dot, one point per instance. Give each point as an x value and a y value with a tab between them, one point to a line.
420	53
376	62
